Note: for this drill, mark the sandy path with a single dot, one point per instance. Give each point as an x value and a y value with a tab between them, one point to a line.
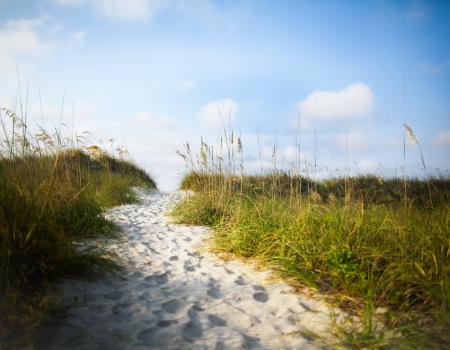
175	297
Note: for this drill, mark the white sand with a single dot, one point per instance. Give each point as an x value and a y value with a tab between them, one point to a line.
175	297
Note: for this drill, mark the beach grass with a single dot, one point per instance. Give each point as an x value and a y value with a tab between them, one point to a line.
378	247
52	197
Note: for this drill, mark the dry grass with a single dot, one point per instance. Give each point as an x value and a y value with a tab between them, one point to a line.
377	242
52	195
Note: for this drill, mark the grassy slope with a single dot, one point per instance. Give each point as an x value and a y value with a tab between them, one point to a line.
49	203
356	237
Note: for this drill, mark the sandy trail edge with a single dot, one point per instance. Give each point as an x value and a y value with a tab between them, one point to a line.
177	297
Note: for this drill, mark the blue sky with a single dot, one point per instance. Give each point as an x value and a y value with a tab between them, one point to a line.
152	74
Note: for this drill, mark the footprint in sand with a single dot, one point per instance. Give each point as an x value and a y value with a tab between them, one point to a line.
217	321
166	323
252	342
188	266
161	278
240	281
213	289
148	337
171	306
192	329
197	308
262	297
260	294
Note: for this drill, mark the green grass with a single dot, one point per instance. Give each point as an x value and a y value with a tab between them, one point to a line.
367	188
52	197
354	237
369	242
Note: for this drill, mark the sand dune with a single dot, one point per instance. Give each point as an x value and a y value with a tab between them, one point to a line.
175	296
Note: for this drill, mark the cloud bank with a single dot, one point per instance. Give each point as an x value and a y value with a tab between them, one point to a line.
354	101
19	39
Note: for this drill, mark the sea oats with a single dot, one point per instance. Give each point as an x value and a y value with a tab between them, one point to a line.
411	136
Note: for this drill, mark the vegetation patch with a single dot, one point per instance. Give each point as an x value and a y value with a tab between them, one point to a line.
52	196
382	244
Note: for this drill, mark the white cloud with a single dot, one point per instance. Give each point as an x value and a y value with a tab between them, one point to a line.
186	85
351	102
120	9
20	41
218	113
442	138
352	141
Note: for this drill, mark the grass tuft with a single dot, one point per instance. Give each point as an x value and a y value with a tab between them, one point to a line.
52	196
356	238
